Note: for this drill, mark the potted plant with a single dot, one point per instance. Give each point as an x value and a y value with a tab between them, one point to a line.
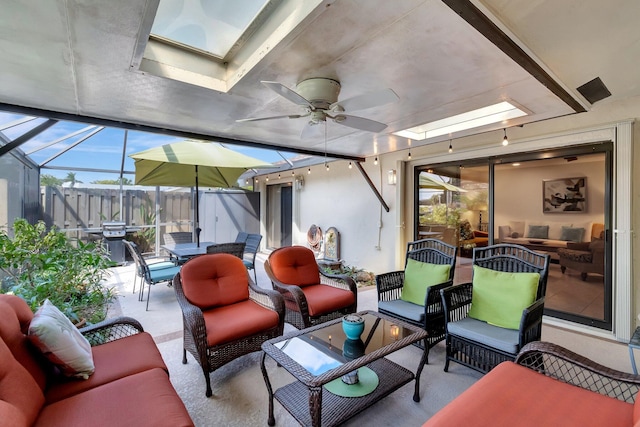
38	264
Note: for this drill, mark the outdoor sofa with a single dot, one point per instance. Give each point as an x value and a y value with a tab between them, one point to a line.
129	387
547	385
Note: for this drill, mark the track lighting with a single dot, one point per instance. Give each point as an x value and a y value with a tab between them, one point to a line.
505	141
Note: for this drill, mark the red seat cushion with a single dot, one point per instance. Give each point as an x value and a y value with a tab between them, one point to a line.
323	299
113	360
215	280
511	395
239	320
143	399
295	265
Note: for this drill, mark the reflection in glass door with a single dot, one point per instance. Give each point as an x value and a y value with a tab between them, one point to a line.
279	215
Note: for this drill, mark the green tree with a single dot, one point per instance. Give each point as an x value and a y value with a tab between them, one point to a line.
71	178
125	181
50	180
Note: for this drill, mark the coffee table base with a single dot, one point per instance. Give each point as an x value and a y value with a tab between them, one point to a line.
334	410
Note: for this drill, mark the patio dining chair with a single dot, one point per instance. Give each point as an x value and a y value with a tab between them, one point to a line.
413	294
149	273
242	237
311	296
225	315
233	248
250	251
178	237
489	320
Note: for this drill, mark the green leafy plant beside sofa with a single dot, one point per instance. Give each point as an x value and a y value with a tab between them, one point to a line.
38	264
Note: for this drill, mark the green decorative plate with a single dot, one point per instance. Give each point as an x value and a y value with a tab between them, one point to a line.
368	381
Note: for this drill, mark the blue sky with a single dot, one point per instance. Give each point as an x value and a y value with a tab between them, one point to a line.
101	151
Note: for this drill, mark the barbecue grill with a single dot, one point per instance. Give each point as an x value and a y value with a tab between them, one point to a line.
113	234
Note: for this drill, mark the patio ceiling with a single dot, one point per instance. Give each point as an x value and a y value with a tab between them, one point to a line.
91	62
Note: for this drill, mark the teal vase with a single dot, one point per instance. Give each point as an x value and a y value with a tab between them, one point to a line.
353	326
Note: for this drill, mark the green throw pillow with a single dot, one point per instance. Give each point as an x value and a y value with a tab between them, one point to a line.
419	276
498	297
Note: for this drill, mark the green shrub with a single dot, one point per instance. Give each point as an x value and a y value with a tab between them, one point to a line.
40	264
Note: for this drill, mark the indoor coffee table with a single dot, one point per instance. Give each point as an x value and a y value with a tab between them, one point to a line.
319	356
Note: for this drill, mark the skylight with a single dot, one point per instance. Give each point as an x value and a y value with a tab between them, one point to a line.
213	26
472	119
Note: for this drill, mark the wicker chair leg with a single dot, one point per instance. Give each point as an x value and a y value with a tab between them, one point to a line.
184	356
148	297
207	378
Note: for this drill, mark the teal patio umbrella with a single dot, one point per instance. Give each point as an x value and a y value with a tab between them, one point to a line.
192	163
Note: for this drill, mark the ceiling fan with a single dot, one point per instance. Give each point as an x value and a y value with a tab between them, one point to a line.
319	98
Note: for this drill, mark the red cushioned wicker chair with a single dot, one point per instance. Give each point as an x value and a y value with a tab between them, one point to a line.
225	315
311	296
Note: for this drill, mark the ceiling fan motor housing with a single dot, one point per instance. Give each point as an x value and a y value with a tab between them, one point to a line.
320	92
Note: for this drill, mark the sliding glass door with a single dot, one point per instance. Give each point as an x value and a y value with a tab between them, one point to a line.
557	202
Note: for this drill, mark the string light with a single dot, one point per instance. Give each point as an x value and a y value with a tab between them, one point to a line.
246	181
450	147
350	165
326	165
278	176
505	141
409	156
292	173
375	161
309	171
267	178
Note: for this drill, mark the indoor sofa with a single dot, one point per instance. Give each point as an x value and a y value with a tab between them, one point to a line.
553	235
129	387
547	385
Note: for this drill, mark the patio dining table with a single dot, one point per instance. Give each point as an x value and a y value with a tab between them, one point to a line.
184	251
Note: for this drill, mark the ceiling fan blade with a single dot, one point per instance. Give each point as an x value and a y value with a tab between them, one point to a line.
359	123
285	92
367	100
257	119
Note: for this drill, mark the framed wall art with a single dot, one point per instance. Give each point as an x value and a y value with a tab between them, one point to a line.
565	195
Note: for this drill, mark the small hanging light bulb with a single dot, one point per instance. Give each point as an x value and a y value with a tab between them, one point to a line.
409	156
505	141
267	178
450	147
246	181
350	165
375	161
278	176
292	173
326	165
309	171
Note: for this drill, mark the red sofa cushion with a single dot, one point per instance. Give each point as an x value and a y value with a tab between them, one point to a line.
295	265
215	280
113	360
20	396
14	324
323	299
239	320
143	399
511	394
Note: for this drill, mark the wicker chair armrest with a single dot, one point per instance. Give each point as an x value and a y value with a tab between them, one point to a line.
564	365
531	322
341	281
111	330
456	301
433	300
292	293
388	284
267	298
192	317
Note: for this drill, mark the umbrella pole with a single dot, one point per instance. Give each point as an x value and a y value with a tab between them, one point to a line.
197	212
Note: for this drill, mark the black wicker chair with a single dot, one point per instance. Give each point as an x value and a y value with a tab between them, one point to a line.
311	296
429	315
477	344
214	311
233	248
250	251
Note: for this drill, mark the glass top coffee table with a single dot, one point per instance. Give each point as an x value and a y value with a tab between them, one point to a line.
319	357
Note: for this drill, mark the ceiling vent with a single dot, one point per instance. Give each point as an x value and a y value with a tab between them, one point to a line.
594	90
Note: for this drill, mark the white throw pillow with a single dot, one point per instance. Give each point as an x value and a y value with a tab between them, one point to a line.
61	342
